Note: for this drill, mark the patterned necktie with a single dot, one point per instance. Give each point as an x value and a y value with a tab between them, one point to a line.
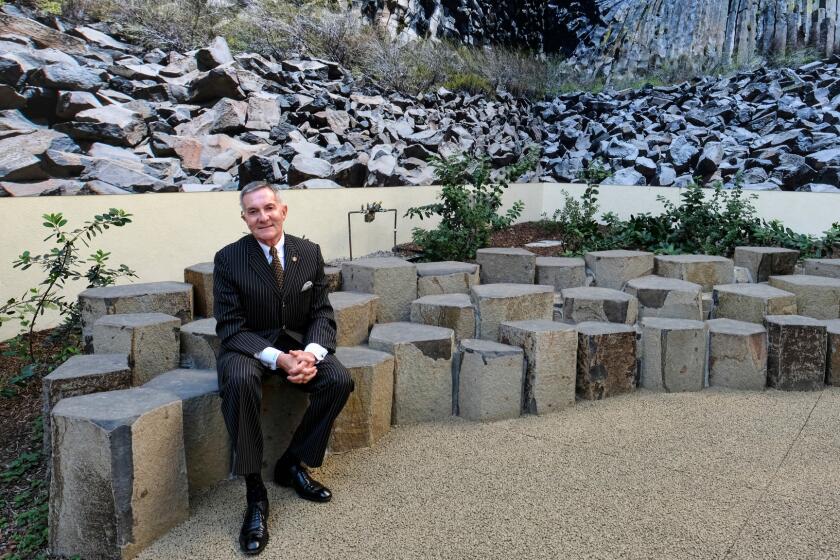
276	266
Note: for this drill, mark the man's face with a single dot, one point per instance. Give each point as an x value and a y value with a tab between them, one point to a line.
264	215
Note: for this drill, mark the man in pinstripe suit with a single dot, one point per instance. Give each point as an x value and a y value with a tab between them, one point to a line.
273	317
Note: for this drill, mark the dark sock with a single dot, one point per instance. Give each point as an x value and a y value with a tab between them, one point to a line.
255	489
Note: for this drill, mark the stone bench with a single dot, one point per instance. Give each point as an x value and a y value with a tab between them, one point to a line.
833	359
506	266
763	262
489	380
447	277
674	355
600	305
816	296
737	355
332	275
119	477
823	267
797	348
423	369
666	297
355	314
497	303
151	340
201	277
705	270
551	363
199	344
452	311
393	280
606	360
612	269
751	302
561	272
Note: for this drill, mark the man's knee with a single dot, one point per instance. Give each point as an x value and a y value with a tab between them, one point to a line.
339	381
240	373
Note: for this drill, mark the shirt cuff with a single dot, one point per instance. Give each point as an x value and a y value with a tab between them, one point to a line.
317	350
269	357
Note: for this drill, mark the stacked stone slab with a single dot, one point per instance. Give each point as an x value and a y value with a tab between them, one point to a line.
674	355
393	280
599	304
823	267
705	270
551	363
151	340
612	269
332	275
367	415
422	369
497	303
751	302
206	442
764	262
796	352
816	296
506	266
283	407
666	297
833	359
447	277
606	360
201	277
453	311
561	272
199	344
119	478
355	314
737	355
489	380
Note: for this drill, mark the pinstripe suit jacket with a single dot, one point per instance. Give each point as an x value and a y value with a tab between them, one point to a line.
252	312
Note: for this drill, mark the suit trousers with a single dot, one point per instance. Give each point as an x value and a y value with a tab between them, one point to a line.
240	387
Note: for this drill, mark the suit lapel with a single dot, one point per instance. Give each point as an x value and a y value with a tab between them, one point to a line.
292	267
260	265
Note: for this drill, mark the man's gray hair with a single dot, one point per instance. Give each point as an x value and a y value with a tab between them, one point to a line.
255	186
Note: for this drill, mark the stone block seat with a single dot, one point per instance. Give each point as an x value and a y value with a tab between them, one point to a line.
422	369
674	355
606	360
561	272
797	347
199	344
393	280
751	302
816	296
119	477
506	265
764	262
207	445
737	355
832	376
666	297
201	277
822	267
355	314
446	277
489	380
599	304
332	275
705	270
151	340
612	269
496	303
283	407
453	311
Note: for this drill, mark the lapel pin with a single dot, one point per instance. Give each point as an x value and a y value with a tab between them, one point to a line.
294	259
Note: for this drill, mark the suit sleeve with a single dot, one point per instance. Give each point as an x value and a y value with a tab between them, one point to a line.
322	318
231	327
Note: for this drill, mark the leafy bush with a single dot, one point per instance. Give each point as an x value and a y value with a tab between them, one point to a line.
470	83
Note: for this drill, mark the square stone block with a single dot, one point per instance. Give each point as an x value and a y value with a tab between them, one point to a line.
737	355
355	314
453	311
496	303
367	415
666	297
151	340
599	304
833	361
612	269
705	270
796	352
119	476
447	277
816	296
201	277
333	277
823	267
606	360
393	280
200	344
551	363
751	302
489	380
674	354
506	266
561	272
763	262
422	369
283	408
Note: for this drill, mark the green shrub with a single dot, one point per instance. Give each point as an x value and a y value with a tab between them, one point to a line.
470	83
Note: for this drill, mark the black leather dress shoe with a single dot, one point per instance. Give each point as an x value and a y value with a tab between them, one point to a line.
254	534
297	477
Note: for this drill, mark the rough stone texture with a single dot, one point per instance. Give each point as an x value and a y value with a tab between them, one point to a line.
763	262
119	478
666	297
355	314
743	275
453	311
833	360
201	277
447	277
207	445
823	267
816	296
367	415
706	270
550	356
674	355
506	265
496	303
393	280
283	407
561	272
599	304
606	360
333	276
422	369
489	380
751	302
737	355
151	340
199	344
796	352
612	269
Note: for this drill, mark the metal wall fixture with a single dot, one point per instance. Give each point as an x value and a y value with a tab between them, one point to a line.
370	210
